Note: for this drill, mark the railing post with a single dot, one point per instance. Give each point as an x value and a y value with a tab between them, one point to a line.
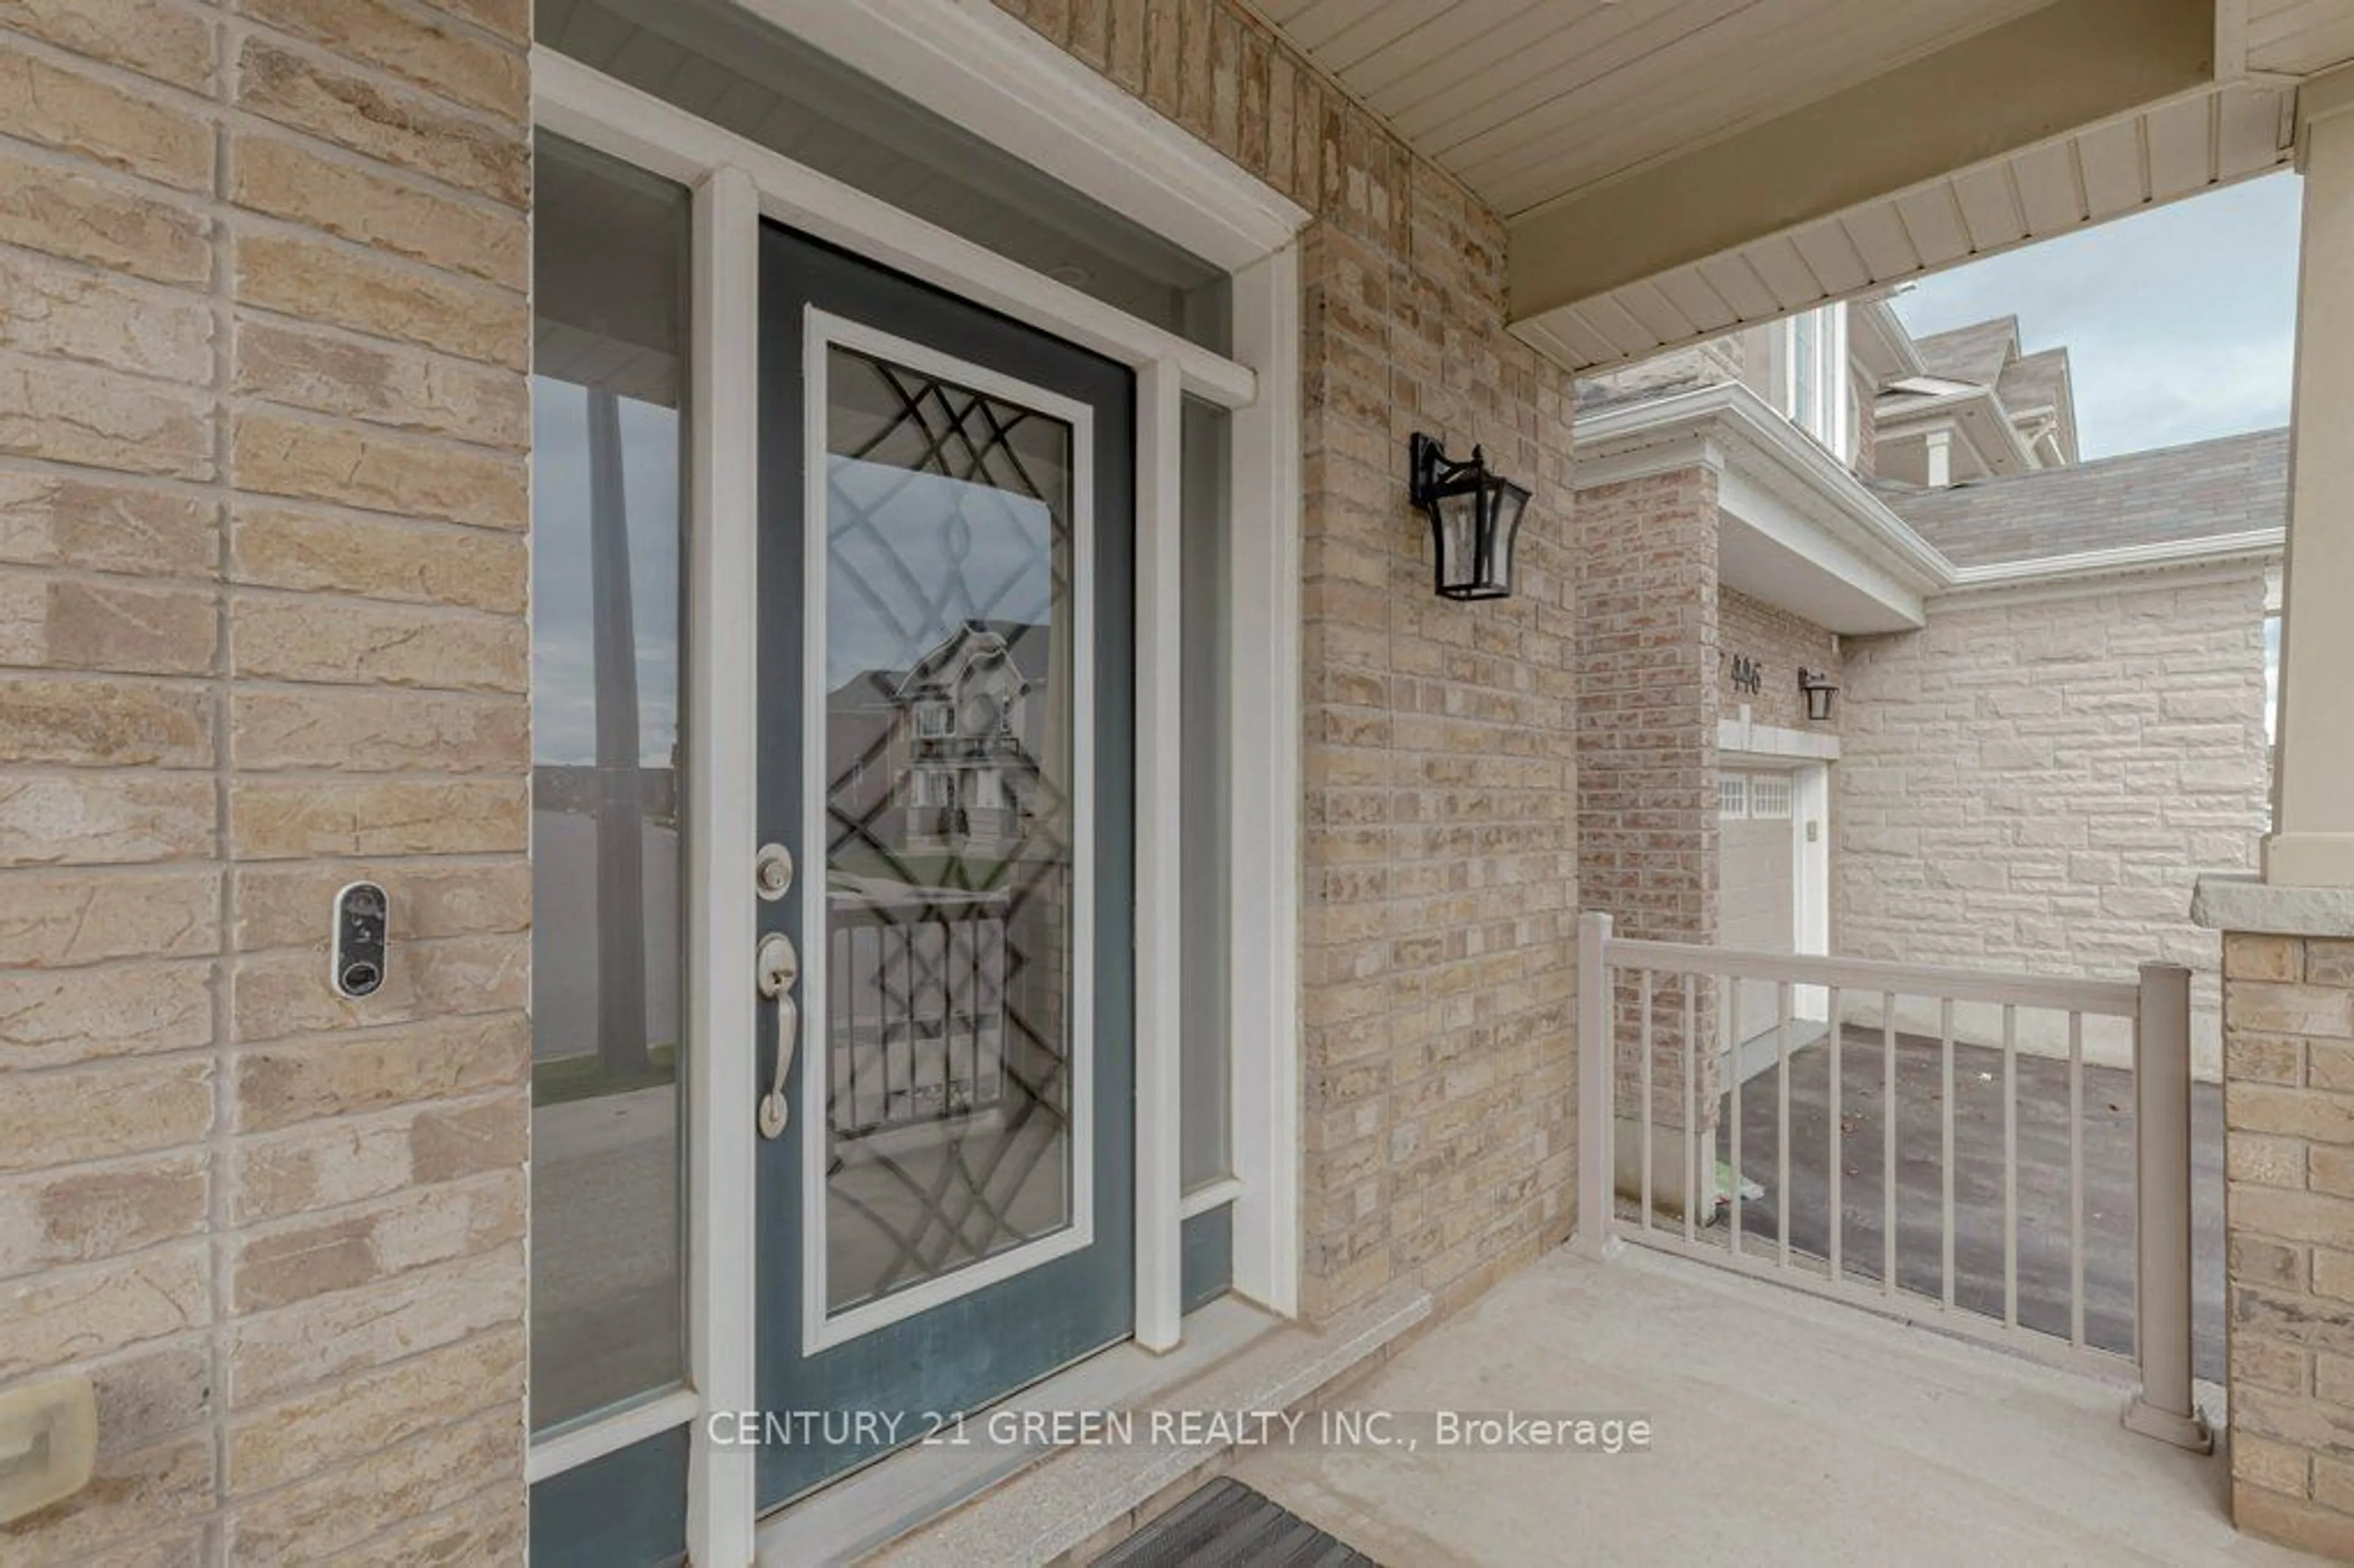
1597	1093
2162	1407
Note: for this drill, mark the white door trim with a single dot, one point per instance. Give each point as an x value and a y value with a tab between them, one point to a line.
722	819
993	74
1160	859
587	106
1015	89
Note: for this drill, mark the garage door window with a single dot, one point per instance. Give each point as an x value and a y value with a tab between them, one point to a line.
1769	798
1732	797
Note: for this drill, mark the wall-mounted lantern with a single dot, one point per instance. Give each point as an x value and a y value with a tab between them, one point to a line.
1819	692
1474	518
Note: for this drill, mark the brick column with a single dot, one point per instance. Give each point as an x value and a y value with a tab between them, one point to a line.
1647	705
2288	1143
263	434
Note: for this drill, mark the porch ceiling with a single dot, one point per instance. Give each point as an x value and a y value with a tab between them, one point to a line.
1675	168
1531	103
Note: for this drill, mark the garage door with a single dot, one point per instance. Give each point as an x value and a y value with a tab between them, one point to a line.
1756	884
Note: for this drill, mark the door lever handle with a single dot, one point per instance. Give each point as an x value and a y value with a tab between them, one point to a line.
778	966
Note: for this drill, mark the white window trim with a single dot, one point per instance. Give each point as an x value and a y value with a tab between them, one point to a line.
1833	424
1006	85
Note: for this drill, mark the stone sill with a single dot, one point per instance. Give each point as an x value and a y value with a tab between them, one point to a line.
2241	901
1083	1499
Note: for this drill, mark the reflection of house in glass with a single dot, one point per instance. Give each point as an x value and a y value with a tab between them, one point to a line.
943	758
944	957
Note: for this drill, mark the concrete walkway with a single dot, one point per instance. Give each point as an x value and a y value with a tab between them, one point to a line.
1787	1430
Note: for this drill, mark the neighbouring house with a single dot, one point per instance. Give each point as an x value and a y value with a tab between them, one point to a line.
2043	680
723	718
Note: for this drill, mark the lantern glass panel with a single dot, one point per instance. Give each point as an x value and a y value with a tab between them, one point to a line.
1508	502
1459	538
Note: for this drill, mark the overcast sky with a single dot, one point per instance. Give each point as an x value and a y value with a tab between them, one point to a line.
2180	322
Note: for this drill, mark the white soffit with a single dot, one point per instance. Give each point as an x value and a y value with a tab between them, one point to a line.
1795	528
2178	149
1774	553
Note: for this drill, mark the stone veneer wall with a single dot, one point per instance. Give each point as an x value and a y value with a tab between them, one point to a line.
1783	644
1437	917
2288	1143
2031	782
263	426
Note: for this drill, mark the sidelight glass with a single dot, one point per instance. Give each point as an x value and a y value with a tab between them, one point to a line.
1204	1050
606	1258
951	1053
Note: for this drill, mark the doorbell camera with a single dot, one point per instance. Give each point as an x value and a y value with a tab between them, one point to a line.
360	918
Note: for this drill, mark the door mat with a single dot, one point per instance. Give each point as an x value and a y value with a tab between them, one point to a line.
1228	1525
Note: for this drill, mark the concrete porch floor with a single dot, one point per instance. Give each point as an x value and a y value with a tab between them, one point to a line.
1786	1429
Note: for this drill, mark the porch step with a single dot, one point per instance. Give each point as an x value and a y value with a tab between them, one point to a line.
1227	1525
1075	1500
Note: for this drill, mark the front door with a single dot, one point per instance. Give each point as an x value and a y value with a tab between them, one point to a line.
944	759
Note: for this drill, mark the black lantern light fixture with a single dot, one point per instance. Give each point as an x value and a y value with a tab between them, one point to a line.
1474	519
1819	692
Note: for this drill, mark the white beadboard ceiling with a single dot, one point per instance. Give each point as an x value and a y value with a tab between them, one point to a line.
1528	101
1538	105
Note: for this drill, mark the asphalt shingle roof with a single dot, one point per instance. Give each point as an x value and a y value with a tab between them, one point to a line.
2232	485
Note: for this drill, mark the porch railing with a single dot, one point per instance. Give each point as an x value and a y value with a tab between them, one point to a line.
1677	1005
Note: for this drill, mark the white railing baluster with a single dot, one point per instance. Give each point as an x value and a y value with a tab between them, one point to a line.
2009	1166
1695	1183
1643	1070
1730	1049
2162	1304
1782	1123
1836	1096
2164	1406
1888	1146
1597	1079
2076	1180
1946	1084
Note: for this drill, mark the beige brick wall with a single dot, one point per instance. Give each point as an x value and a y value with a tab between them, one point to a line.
2032	783
2288	1112
1438	957
1781	644
262	474
1648	704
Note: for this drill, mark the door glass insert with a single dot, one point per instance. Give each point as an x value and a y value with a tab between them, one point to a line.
952	1059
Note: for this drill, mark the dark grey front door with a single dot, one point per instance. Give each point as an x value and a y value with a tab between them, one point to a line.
947	501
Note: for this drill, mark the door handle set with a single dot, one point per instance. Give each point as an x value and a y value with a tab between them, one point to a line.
779	967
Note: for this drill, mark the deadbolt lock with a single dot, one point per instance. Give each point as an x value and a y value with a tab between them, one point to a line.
772	872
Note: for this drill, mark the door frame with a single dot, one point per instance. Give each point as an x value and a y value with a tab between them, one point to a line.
1744	745
1012	88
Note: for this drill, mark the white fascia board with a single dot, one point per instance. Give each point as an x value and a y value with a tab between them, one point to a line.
2222	549
1872	324
1970	409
